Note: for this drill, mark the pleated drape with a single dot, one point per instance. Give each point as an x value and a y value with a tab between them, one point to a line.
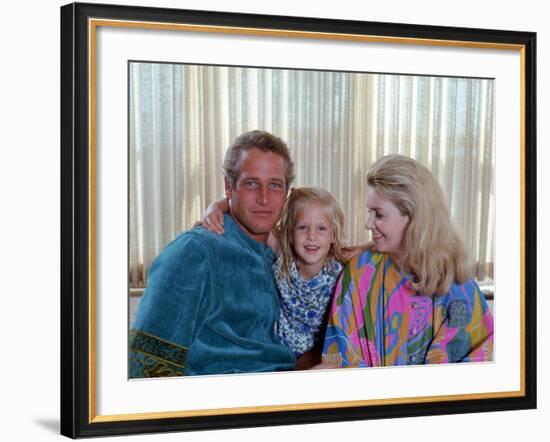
183	118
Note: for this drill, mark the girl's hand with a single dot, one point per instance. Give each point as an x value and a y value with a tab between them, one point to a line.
351	251
213	216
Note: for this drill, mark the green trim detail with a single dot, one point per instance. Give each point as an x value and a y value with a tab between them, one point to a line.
158	348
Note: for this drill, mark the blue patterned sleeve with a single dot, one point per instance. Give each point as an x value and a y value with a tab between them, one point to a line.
173	306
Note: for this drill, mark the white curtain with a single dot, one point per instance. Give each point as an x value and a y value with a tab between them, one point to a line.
183	118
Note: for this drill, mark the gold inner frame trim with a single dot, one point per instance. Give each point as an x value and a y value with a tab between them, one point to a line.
297	34
298	407
93	24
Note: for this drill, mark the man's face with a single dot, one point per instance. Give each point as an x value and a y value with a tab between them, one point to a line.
258	196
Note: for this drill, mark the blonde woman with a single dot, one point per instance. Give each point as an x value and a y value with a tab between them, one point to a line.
409	297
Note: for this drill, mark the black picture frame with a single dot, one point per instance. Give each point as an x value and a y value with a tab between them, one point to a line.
77	249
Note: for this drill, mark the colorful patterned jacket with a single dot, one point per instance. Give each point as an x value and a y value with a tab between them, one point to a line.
377	319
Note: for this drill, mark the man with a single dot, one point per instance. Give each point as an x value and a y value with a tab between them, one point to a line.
211	303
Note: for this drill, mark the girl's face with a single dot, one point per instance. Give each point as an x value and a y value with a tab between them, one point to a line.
386	223
312	238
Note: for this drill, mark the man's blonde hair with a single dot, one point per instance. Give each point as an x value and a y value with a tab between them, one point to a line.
258	139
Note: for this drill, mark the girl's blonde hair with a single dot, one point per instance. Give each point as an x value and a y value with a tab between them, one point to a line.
433	252
294	203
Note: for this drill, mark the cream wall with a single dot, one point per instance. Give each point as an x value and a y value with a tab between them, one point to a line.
29	238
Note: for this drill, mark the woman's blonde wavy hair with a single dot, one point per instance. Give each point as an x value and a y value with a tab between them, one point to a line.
296	200
432	250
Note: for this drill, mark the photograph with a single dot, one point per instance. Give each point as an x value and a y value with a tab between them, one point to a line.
299	214
423	145
255	221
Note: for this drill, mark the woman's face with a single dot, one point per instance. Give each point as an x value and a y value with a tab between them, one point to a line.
386	223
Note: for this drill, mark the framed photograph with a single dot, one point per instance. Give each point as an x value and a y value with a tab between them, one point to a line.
151	98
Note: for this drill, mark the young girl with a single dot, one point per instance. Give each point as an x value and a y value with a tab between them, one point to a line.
310	257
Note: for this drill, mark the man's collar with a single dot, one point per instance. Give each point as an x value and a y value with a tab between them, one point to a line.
232	227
